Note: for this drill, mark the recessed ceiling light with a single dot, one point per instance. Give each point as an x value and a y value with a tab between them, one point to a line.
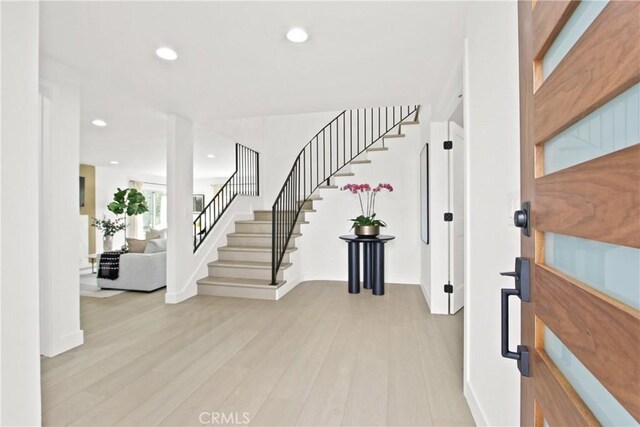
114	162
167	54
99	122
297	35
210	156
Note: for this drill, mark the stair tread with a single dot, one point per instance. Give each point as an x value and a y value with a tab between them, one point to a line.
235	281
328	186
360	162
260	221
411	122
246	264
241	234
251	249
344	174
265	210
395	135
378	149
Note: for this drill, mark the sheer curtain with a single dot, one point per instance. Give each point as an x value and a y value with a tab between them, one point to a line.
135	226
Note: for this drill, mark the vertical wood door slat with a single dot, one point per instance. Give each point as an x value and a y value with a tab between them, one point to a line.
597	200
603	63
599	331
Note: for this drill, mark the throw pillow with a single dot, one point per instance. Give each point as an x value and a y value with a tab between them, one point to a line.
156	234
136	246
155	246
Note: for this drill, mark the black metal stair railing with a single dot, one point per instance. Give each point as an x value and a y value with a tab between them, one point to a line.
336	145
244	181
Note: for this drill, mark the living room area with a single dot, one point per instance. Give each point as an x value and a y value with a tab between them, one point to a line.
123	198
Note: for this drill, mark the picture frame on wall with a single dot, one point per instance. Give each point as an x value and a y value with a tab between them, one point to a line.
198	203
424	193
82	191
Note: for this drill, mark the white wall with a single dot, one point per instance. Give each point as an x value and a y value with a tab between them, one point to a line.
492	384
19	341
282	139
59	231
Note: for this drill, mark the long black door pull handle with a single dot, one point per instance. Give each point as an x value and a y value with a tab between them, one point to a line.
521	290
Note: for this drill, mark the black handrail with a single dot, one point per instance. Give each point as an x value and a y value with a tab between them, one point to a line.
349	134
244	181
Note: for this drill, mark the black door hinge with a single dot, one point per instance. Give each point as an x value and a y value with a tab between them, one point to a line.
448	288
448	217
448	145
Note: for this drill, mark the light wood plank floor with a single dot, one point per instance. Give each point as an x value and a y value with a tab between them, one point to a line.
317	357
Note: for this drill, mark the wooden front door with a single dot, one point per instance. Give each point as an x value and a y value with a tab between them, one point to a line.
580	170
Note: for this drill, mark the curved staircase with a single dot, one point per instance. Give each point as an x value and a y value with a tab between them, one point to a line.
255	261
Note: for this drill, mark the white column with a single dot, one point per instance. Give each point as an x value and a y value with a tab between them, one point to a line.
59	222
19	342
179	209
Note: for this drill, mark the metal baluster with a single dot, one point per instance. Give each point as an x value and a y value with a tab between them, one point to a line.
386	119
330	149
351	132
372	126
324	151
364	113
344	138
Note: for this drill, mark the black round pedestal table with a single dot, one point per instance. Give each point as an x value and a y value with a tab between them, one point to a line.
373	263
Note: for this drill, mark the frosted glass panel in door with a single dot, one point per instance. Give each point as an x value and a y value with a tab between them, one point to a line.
586	12
604	406
611	269
612	127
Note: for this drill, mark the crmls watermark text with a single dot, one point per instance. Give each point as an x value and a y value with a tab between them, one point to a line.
224	418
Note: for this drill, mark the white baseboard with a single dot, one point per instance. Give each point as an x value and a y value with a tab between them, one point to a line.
178	297
66	343
474	406
286	288
427	296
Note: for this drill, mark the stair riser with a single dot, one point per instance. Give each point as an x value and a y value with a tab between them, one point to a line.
259	228
308	204
248	256
243	273
238	292
266	216
264	242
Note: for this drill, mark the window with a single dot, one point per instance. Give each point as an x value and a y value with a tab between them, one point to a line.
156	216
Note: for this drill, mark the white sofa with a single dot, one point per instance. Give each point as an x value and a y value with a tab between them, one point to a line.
139	272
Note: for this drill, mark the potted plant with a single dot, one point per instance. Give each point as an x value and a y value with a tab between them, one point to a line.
109	227
366	225
129	202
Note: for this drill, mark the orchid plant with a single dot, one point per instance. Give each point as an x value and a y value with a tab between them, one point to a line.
368	216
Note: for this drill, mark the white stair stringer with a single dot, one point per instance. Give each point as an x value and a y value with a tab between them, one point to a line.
243	267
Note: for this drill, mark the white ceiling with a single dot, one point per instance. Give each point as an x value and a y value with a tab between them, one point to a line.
234	61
